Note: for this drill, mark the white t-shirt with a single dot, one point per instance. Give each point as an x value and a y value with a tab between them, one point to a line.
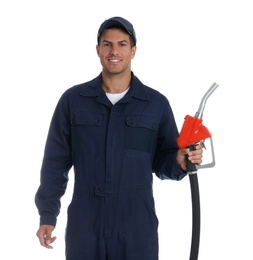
115	97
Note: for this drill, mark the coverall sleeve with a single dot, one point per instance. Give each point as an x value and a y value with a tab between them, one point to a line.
165	165
56	164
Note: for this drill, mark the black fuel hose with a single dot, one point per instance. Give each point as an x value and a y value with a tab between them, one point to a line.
195	216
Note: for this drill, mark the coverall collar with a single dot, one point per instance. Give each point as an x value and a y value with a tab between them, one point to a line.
136	90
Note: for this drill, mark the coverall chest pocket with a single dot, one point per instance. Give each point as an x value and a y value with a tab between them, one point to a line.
86	130
86	118
140	132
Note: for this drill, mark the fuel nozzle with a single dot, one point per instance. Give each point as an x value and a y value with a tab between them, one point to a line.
194	132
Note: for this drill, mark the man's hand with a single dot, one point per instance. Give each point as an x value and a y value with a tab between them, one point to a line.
44	234
195	156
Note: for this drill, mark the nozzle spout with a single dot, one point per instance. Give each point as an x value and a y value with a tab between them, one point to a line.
199	113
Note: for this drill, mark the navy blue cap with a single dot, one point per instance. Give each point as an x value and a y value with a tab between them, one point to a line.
117	22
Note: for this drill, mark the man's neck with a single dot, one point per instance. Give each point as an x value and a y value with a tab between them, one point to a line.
116	83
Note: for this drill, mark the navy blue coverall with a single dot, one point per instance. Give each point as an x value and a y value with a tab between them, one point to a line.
114	151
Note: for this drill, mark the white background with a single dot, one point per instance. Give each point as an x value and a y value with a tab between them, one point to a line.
183	47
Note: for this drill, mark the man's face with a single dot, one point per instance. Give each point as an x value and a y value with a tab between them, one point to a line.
115	51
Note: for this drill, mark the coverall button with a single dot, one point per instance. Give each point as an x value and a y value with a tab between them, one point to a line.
131	122
154	125
99	191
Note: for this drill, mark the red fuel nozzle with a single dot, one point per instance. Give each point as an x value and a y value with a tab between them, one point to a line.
192	132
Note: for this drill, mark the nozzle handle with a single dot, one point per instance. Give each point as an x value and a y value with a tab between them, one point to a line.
212	163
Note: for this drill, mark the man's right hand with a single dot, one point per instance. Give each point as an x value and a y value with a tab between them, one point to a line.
44	234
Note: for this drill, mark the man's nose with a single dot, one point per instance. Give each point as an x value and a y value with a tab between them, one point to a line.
115	49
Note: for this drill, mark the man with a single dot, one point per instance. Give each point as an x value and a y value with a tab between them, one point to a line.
115	132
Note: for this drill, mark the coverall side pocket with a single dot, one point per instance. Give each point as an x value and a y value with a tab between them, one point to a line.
143	232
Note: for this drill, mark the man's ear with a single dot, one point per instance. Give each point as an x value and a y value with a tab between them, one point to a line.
98	50
134	48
